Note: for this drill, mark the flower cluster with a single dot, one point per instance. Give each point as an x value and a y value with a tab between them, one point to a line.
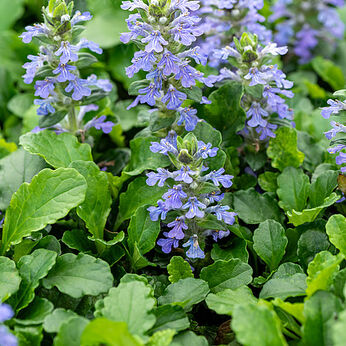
6	338
223	20
338	131
265	85
303	24
164	31
193	194
56	69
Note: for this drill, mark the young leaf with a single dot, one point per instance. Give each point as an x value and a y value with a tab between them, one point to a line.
319	312
257	325
71	331
170	316
79	275
97	204
106	332
186	293
178	269
227	274
322	187
270	243
283	149
16	169
162	338
48	198
58	150
336	230
254	208
130	302
321	271
53	321
9	278
142	231
288	281
224	302
32	268
339	330
293	189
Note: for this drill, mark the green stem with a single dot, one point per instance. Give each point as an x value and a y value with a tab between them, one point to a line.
72	120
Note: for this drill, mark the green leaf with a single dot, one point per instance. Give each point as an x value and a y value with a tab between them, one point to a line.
28	335
298	218
270	242
224	302
283	149
288	281
321	271
225	113
238	249
186	293
339	330
108	333
10	11
138	194
79	275
178	269
257	325
268	181
170	316
142	231
58	150
189	338
130	302
206	133
319	312
15	169
32	268
329	72
254	208
162	338
227	274
97	204
294	309
322	187
142	158
293	189
48	198
35	313
70	332
9	278
336	230
53	321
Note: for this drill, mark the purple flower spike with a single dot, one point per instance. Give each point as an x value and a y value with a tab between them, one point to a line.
173	197
67	52
194	251
178	226
193	205
167	243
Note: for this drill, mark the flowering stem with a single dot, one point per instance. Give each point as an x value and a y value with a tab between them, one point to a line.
72	120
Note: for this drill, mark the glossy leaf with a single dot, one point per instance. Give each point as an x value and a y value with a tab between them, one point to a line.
336	230
178	269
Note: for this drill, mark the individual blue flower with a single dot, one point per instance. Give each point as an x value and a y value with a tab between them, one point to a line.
161	176
33	31
79	89
215	196
194	251
99	123
178	226
173	197
256	77
174	98
222	214
337	128
217	234
6	338
189	117
45	88
161	209
67	52
335	107
256	113
45	106
63	70
164	147
169	63
206	150
194	206
155	42
94	47
103	84
33	66
266	131
218	178
80	17
167	243
184	174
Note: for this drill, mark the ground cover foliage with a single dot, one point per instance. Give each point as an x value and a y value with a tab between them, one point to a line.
172	172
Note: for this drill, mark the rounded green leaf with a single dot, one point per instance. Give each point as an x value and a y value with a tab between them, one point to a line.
9	278
336	230
178	269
